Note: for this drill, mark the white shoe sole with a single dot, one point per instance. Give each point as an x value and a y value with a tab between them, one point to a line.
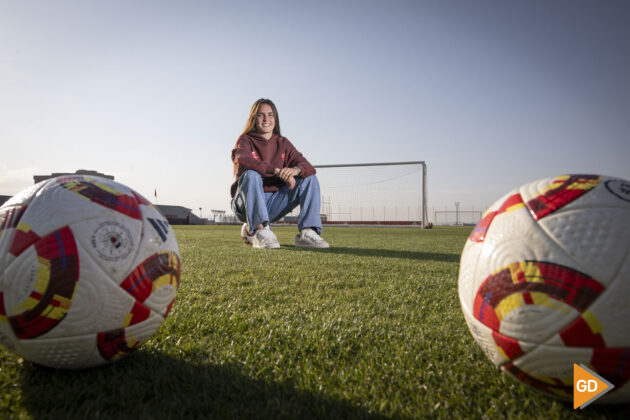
269	246
316	245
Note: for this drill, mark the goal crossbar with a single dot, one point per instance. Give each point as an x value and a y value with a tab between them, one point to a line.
419	162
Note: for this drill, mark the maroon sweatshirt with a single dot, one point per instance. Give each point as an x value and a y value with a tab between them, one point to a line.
254	152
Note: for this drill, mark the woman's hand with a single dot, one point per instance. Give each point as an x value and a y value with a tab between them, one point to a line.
287	175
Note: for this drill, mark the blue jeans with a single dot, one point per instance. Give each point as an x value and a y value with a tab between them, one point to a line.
253	206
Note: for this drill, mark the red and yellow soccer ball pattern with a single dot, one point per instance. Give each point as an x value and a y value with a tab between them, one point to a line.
544	283
89	270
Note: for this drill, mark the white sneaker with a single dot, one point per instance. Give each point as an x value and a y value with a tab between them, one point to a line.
247	238
308	238
265	238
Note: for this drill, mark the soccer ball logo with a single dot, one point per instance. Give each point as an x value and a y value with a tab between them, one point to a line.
89	270
544	283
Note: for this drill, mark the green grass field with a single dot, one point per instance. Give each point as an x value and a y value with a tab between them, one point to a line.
370	328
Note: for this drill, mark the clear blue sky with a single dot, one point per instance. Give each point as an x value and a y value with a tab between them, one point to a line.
491	94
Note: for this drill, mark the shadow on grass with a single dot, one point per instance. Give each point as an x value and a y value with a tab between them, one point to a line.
387	253
147	385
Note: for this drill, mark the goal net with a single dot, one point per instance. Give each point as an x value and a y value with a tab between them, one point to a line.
388	193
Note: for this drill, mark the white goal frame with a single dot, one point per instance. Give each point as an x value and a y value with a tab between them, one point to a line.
423	186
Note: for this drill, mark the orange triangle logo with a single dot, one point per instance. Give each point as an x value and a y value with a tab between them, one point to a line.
587	386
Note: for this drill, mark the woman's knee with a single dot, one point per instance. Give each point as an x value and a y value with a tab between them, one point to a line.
310	182
249	175
248	179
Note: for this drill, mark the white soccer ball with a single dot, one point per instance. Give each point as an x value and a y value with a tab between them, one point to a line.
544	283
89	270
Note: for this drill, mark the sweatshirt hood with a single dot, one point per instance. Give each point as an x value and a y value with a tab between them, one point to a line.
257	136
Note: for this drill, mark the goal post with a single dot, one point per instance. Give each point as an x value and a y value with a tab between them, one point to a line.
379	193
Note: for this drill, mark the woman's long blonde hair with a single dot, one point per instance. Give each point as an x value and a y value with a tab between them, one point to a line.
250	126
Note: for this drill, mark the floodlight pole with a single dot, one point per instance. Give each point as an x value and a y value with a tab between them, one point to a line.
424	179
457	213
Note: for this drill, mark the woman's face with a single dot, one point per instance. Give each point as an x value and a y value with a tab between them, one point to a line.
265	120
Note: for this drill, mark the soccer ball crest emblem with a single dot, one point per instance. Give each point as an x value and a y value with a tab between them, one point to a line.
89	270
544	283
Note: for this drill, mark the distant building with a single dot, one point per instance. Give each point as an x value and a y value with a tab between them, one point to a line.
220	217
40	178
178	215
